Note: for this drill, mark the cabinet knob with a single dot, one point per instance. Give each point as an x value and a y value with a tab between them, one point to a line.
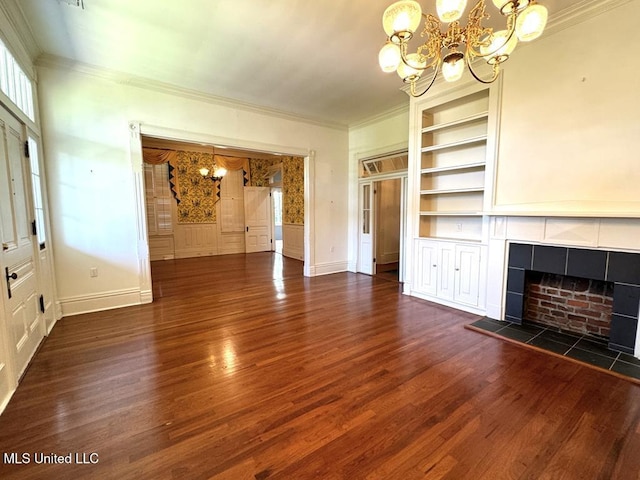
434	266
457	269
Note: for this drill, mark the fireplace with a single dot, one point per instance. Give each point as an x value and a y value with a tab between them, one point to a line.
608	273
571	304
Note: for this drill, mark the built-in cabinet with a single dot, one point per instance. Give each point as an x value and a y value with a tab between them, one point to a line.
449	271
451	177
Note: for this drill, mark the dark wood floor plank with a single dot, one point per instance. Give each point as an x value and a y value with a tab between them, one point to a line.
244	369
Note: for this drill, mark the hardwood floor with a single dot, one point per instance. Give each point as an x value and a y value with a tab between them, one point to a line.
244	369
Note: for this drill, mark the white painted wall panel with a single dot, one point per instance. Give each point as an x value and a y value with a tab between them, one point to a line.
569	129
90	174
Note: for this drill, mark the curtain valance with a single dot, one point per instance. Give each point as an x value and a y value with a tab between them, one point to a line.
235	163
157	156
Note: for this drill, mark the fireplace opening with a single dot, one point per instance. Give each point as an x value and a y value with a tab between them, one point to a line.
570	304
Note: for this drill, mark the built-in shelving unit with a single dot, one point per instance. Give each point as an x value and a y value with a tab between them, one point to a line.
453	156
452	150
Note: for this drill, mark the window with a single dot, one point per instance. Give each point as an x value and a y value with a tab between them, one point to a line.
277	207
366	209
15	84
36	184
370	167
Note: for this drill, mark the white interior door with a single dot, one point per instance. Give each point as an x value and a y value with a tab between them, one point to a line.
257	216
22	322
365	236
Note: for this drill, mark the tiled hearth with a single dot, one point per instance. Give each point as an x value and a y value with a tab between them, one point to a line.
622	269
579	348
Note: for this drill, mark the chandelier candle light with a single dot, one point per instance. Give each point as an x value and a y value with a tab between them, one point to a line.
441	51
218	173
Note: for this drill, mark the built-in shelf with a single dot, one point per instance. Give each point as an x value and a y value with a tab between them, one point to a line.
565	214
461	121
452	168
451	173
459	143
451	190
438	213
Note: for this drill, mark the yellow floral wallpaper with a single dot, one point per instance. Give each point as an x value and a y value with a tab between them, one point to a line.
197	195
259	171
293	190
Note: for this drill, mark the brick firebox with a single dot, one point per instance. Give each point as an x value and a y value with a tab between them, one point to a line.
574	304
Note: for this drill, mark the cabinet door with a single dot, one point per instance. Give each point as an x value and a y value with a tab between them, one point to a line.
427	255
467	274
446	275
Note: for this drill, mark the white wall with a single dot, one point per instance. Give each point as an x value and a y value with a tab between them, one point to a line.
569	129
86	120
385	134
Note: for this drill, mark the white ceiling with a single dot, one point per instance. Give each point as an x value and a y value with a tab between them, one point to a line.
316	59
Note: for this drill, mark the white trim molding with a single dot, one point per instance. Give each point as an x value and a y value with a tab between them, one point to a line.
55	62
328	268
102	301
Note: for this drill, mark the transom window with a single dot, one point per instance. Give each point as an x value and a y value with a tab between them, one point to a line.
371	167
14	83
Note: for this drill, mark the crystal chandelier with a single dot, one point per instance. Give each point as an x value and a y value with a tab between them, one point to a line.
443	52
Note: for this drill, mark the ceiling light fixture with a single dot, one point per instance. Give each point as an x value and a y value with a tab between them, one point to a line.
218	173
441	51
73	3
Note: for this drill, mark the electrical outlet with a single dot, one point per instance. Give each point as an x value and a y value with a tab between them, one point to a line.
93	271
459	227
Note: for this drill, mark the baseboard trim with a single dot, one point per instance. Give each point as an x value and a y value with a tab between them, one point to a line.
5	401
146	296
101	301
329	268
294	253
447	303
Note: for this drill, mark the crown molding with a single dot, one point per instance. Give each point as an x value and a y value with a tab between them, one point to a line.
579	11
60	63
18	36
380	117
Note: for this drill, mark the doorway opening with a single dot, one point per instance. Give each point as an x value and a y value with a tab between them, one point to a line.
387	226
381	211
276	207
296	164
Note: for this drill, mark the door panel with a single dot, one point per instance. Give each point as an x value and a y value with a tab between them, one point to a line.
18	262
446	277
257	215
366	237
468	271
427	267
232	203
44	262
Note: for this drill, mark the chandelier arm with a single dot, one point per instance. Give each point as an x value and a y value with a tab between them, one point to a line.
412	90
511	28
405	60
496	71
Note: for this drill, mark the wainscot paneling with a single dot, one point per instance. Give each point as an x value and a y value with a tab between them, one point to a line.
293	241
195	240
